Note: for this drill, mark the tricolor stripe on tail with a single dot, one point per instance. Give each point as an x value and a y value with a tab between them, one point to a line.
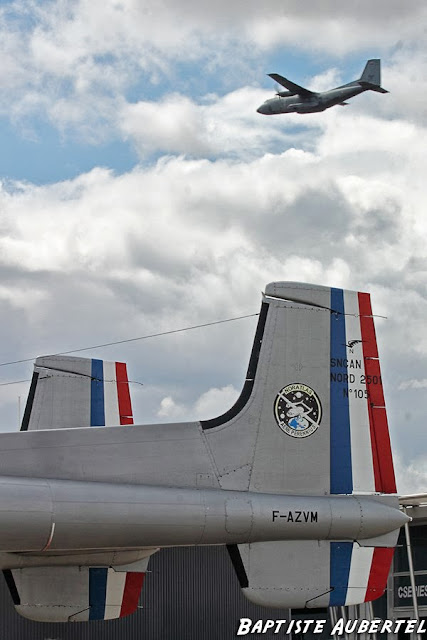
361	459
110	398
113	594
358	574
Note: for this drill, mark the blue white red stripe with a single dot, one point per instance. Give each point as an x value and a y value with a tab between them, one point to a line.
357	574
361	459
110	402
113	594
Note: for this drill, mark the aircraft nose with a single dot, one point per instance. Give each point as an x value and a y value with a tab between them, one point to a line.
264	109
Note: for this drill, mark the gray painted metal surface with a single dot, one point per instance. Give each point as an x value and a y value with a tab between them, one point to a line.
64	378
297	99
60	516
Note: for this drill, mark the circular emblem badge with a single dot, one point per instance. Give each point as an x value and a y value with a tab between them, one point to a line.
297	410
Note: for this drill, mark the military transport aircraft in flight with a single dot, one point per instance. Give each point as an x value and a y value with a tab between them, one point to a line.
296	479
300	100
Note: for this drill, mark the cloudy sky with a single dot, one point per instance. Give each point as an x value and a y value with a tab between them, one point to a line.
141	192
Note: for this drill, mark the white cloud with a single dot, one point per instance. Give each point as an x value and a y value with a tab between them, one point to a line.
326	80
327	214
187	241
218	126
170	409
74	63
413	384
152	126
412	477
214	402
210	404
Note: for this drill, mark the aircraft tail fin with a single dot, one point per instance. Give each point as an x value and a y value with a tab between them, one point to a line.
311	419
68	392
371	76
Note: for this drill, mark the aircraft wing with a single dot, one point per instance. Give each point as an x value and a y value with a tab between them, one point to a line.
74	594
291	86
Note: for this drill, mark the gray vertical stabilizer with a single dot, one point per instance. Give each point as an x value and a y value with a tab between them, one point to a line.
250	447
371	76
69	392
372	72
311	421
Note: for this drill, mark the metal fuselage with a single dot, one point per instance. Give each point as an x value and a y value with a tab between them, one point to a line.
63	516
67	503
312	103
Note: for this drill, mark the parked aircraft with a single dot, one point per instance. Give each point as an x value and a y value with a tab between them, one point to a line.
296	479
300	100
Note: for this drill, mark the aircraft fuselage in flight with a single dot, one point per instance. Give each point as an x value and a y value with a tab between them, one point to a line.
310	104
297	99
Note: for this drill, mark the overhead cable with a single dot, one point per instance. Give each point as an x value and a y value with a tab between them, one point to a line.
146	337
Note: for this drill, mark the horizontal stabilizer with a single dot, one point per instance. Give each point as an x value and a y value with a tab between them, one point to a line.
373	87
291	86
